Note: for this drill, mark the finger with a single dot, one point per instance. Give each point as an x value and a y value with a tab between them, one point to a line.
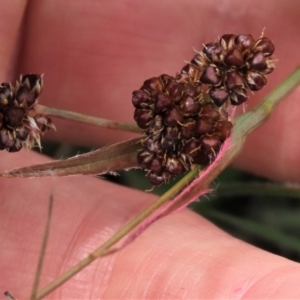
182	255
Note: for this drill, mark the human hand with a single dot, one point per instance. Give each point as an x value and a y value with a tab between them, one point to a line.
94	54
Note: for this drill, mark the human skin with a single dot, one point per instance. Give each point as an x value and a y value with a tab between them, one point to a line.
94	54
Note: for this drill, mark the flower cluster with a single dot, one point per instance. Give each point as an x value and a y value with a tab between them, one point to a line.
17	127
185	118
232	66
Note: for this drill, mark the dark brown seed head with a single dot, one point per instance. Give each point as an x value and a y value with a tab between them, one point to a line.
210	144
227	41
244	41
156	165
173	116
143	117
172	132
200	61
22	132
238	99
141	99
257	62
169	144
223	129
6	94
219	95
157	124
264	45
234	58
233	80
192	147
213	51
174	166
255	80
192	90
7	138
153	145
153	84
155	179
175	90
192	71
13	116
34	83
144	157
210	112
211	75
162	102
188	129
204	125
201	159
25	97
165	78
189	106
184	78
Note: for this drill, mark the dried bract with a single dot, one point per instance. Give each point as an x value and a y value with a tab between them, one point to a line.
19	125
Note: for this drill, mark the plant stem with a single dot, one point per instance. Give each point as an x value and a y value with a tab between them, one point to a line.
81	118
43	251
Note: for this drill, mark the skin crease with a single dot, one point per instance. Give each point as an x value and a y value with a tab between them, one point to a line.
94	54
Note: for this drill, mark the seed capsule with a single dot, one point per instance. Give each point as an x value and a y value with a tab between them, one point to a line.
210	144
173	116
227	41
223	130
204	125
244	41
234	58
156	165
153	84
155	179
213	51
175	90
265	45
141	99
162	102
219	95
188	129
257	62
256	81
143	117
13	116
174	166
233	80
189	106
210	76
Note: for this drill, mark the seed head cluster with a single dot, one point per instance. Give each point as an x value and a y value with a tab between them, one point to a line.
17	127
185	117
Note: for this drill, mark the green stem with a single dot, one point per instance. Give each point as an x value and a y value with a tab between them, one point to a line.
81	118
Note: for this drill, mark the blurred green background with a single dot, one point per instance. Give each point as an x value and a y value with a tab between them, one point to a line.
250	208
